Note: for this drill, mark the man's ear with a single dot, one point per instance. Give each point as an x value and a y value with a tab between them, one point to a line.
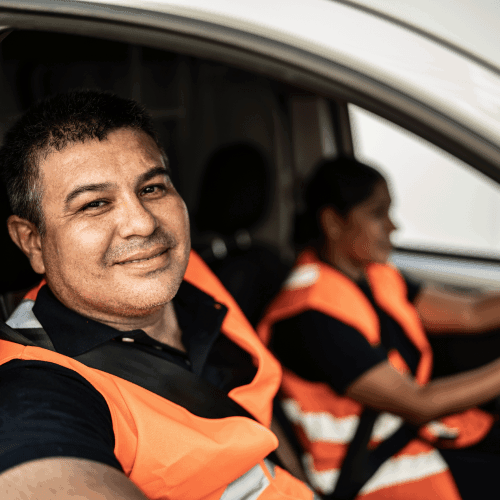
26	236
331	223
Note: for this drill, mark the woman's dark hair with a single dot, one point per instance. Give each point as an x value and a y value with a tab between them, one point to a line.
341	183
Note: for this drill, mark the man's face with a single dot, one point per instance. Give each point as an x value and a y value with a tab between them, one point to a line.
117	232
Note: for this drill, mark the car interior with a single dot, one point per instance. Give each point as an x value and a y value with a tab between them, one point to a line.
209	117
241	144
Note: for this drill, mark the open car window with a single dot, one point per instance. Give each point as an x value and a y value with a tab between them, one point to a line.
440	203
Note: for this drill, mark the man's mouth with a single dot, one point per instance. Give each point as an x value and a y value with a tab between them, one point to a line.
143	257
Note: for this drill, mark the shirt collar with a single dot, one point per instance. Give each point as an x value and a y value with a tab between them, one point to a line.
199	317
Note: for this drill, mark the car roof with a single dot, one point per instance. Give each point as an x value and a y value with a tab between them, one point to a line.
471	25
333	38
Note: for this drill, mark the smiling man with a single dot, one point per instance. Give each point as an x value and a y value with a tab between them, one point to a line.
115	241
130	373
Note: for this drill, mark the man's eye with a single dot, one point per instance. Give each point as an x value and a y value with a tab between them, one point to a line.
93	204
154	189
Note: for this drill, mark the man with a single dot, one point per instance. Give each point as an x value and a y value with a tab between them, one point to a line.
115	373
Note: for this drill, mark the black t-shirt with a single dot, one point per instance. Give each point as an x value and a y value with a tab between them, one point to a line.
320	348
47	410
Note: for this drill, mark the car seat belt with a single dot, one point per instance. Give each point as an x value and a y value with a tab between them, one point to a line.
155	374
361	463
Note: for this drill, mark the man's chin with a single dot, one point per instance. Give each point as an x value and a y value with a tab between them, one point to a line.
132	298
148	301
132	306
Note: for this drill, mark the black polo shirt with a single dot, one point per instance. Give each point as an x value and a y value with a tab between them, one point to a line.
47	410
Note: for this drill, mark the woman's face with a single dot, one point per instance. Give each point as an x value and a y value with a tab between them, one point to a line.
364	237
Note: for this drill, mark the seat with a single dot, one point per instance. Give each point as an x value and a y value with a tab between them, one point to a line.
234	199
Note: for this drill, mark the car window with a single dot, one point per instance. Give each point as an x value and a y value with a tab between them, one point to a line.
440	203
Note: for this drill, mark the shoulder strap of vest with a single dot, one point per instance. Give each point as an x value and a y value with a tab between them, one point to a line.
155	374
360	463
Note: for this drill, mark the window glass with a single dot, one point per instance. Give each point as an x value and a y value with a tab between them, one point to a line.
440	203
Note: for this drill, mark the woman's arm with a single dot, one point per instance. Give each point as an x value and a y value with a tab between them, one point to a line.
443	312
385	389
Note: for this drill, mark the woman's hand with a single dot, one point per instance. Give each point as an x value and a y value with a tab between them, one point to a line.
445	312
385	389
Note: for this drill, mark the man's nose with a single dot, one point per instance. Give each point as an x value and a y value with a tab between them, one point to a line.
134	218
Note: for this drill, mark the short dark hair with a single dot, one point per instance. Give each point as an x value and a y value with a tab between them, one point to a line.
340	183
52	124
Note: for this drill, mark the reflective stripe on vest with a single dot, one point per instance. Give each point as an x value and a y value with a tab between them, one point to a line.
326	435
265	482
23	316
251	484
261	482
326	427
191	457
394	471
326	421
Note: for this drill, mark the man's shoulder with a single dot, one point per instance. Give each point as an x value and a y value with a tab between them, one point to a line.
41	391
47	410
39	378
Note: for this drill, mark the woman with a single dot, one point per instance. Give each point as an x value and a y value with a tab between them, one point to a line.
349	331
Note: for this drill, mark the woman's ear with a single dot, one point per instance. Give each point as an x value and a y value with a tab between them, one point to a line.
331	224
26	236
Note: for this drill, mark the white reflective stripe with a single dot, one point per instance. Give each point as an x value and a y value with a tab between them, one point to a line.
292	409
393	471
23	316
302	277
441	430
324	481
322	426
325	427
404	469
249	486
270	467
385	426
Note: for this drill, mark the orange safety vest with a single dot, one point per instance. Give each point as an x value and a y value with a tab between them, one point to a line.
326	421
168	452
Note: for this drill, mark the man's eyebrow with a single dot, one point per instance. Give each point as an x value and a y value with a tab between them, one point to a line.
150	174
85	188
